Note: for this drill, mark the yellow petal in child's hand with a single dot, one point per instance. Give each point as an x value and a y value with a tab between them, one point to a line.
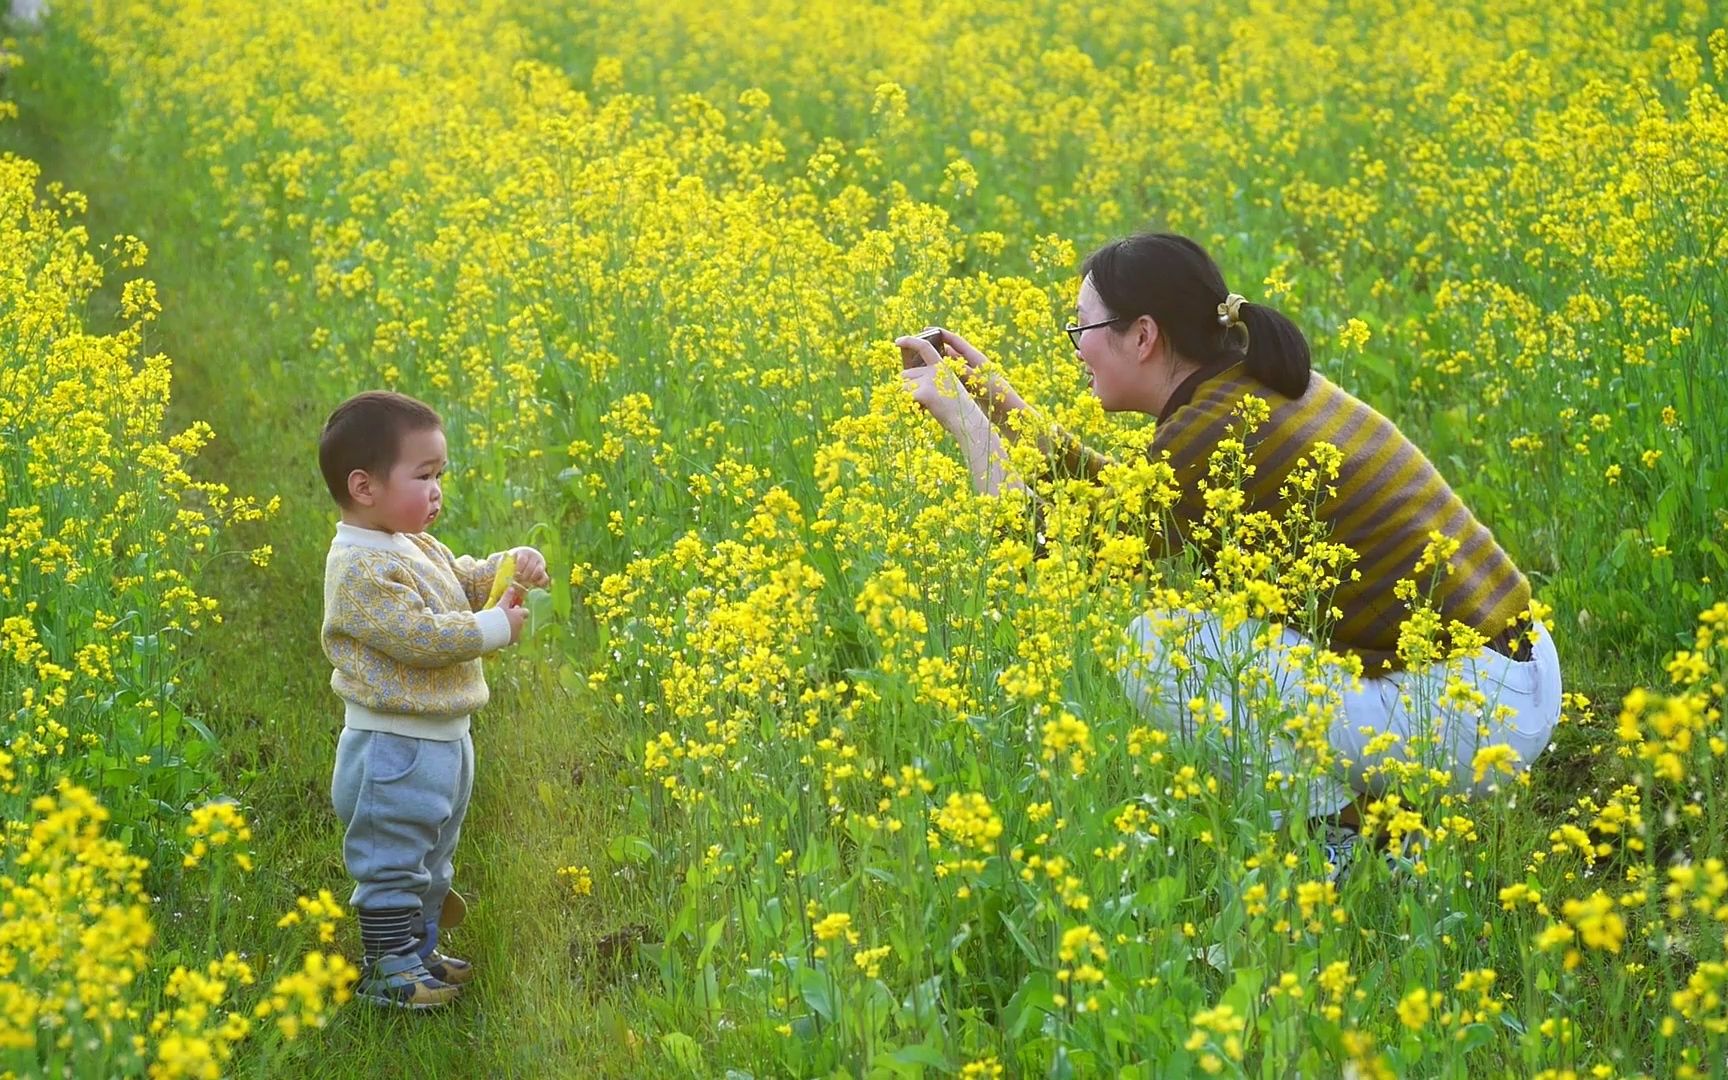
506	574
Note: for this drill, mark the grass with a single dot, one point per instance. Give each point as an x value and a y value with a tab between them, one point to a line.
547	789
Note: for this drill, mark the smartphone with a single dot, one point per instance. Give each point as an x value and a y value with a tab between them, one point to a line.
934	337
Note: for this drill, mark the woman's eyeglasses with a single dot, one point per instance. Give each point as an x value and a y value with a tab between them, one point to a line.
1074	332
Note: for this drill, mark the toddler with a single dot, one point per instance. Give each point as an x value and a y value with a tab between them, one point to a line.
405	625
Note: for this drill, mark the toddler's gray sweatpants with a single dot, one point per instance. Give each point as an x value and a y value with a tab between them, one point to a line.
402	800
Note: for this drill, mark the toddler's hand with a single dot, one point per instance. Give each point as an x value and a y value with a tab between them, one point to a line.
511	604
531	568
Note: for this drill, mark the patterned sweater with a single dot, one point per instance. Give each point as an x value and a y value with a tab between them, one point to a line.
1386	500
402	630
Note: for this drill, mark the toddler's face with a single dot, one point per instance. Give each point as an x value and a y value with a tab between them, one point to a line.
410	498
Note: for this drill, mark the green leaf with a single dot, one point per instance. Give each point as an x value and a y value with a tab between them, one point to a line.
684	1052
876	1007
921	1054
1244	991
1475	1036
1372	363
710	990
569	679
814	988
919	1007
1711	547
710	938
1035	998
1662	521
885	876
201	728
632	849
539	606
1021	940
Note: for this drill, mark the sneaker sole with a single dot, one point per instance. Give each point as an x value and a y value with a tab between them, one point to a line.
384	1002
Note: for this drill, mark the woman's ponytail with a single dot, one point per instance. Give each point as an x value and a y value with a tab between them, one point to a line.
1172	279
1277	353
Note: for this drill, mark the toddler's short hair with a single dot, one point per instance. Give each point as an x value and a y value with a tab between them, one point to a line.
365	432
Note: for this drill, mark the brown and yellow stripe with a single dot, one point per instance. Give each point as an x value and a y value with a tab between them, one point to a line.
1388	497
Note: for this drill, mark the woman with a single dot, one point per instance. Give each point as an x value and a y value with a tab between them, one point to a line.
1160	334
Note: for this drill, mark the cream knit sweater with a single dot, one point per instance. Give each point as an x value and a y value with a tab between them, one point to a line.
402	630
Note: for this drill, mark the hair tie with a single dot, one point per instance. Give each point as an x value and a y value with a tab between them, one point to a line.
1229	312
1230	318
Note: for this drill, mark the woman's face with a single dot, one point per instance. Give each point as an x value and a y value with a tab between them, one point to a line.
1113	354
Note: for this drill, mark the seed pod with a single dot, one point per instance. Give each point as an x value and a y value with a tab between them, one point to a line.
506	574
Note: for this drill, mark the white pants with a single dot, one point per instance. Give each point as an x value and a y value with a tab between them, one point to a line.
1442	734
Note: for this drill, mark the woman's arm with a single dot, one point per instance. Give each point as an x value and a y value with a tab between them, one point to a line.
1011	413
982	448
991	389
1140	489
946	398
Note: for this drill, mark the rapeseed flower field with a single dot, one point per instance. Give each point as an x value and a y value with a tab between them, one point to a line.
104	533
884	788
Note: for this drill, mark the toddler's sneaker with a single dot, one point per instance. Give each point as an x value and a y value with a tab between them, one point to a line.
1339	843
1342	846
449	969
403	982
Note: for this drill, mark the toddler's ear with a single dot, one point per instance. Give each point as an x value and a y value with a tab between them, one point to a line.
360	488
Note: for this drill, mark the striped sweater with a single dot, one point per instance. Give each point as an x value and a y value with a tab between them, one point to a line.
1387	499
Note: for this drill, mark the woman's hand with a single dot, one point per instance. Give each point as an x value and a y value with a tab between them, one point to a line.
933	385
991	389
